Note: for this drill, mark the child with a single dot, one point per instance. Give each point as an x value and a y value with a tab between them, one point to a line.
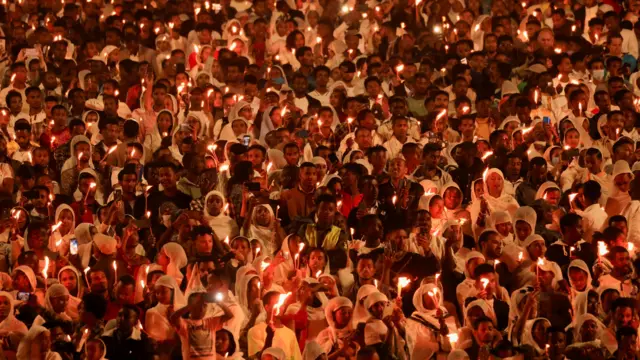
197	333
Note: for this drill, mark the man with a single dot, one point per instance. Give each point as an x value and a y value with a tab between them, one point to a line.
188	183
571	229
469	168
623	315
321	93
620	276
399	136
298	202
123	294
128	180
364	274
126	340
537	175
429	169
18	84
170	193
131	131
482	340
323	234
351	196
407	192
377	157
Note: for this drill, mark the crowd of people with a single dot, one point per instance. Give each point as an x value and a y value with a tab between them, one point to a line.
316	179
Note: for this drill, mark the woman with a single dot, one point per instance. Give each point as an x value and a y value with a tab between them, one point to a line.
59	240
289	250
36	345
589	330
55	305
435	204
262	227
70	278
619	197
23	281
241	112
473	311
426	328
10	327
313	351
494	199
248	295
172	258
468	285
215	206
535	335
235	189
163	127
226	345
549	192
95	349
452	197
156	323
271	120
579	279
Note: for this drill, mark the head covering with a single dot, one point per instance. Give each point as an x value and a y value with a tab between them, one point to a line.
177	260
503	202
360	313
221	224
373	299
428	315
451	212
10	323
56	235
527	335
312	351
470	256
618	200
72	161
580	320
580	264
267	125
106	244
529	216
242	292
276	353
170	282
24	349
28	272
262	233
78	279
548	185
56	290
83	233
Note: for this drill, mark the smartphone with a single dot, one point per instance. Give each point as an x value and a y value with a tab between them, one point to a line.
23	296
253	186
463	61
546	120
31	52
246	139
221	42
73	246
117	195
303	134
216	297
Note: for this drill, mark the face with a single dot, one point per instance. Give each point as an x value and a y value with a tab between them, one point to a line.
69	280
98	281
493	246
59	303
127	319
578	278
5	307
308	176
484	332
167	177
365	269
495	184
623	316
204	244
292	155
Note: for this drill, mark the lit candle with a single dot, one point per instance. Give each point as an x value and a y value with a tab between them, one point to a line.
485	283
402	282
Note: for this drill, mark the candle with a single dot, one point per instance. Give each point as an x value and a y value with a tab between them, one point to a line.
602	250
437	276
91	186
394	199
495	264
485	283
571	249
630	247
520	257
402	282
111	150
226	240
146	197
45	271
86	275
540	263
278	305
486	155
115	270
277	211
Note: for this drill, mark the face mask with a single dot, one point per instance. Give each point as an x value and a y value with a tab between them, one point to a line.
166	220
555	161
278	80
598	74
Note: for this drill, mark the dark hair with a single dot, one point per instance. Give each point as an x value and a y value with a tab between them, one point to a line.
484	237
127	280
95	304
480	320
483	269
592	190
200	230
569	220
625	331
617	218
232	343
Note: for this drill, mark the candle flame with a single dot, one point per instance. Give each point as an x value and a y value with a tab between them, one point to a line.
264	265
630	246
486	155
142	284
404	281
602	248
520	255
224	167
572	196
318	273
485	283
441	114
281	299
56	226
540	262
399	68
394	199
226	240
453	338
115	266
45	271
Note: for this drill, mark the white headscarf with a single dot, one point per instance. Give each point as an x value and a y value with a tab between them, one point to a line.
56	290
546	186
360	313
24	349
504	201
266	125
263	233
527	335
157	322
10	323
177	260
580	320
222	224
428	315
28	272
618	200
56	236
529	216
98	196
72	161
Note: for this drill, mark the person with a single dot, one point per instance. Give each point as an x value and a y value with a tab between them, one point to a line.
126	338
